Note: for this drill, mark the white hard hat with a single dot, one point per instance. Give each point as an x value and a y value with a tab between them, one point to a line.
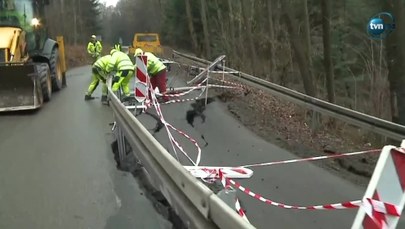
93	36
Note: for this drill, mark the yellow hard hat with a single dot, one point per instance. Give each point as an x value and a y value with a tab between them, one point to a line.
138	52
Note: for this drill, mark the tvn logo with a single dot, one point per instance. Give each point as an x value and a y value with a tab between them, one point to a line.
376	26
380	25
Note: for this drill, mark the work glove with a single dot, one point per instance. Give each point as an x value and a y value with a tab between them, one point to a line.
116	79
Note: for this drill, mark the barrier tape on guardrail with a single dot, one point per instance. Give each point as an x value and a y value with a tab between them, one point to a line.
180	100
211	172
238	207
375	205
184	100
229	82
311	158
186	92
172	139
167	125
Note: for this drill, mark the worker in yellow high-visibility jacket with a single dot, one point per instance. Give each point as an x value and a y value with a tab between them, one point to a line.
156	70
100	69
125	70
94	48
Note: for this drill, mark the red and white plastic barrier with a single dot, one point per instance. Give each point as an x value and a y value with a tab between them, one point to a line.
387	185
141	79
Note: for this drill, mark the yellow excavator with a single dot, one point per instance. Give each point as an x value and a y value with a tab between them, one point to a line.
31	67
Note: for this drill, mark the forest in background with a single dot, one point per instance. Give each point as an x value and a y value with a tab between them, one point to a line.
319	47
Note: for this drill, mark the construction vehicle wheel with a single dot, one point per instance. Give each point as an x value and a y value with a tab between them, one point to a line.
46	81
56	70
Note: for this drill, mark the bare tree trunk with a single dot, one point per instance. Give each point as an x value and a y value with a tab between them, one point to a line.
272	40
299	49
205	28
221	23
191	27
396	62
74	23
327	51
81	30
307	34
248	24
232	29
240	46
61	30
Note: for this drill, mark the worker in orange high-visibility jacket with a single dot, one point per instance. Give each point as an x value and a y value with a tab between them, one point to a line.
156	71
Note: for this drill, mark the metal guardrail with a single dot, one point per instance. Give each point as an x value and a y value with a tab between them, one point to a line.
194	202
374	124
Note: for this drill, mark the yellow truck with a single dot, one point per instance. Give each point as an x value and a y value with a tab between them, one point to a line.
148	42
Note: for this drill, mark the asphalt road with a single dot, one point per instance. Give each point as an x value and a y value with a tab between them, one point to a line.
231	144
57	169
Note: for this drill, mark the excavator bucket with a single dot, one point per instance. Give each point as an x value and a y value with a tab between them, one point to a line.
19	87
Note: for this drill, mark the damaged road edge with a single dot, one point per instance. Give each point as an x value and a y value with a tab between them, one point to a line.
132	165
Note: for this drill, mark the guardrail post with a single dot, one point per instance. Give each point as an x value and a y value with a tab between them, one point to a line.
121	145
228	195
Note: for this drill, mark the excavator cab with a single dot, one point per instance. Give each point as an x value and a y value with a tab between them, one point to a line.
30	67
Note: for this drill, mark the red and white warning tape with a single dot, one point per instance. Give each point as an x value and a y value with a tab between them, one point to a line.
240	210
198	87
229	82
168	125
186	92
238	207
185	100
375	205
190	139
180	100
311	158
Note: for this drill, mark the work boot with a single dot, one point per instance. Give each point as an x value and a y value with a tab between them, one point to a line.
88	97
104	100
